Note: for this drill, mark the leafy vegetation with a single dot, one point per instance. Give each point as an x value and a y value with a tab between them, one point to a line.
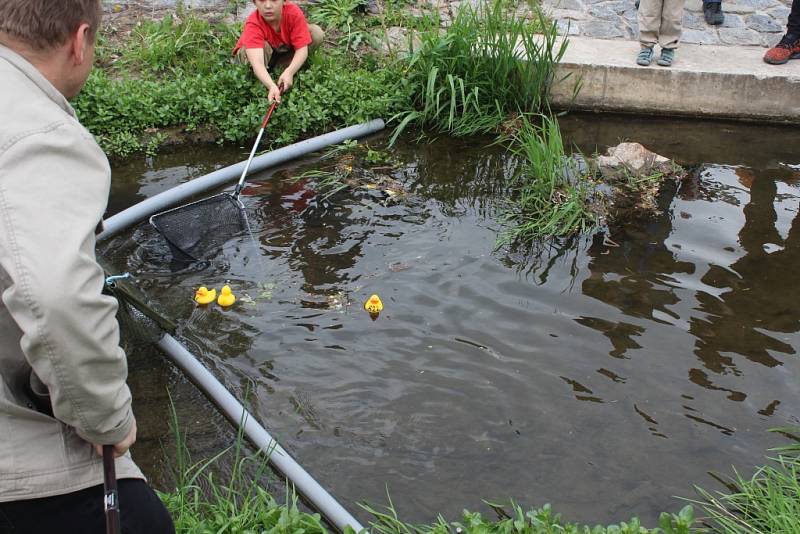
489	63
203	503
766	503
550	196
535	521
180	74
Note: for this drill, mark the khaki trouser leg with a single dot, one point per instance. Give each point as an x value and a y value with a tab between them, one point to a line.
317	35
671	21
649	22
241	55
660	22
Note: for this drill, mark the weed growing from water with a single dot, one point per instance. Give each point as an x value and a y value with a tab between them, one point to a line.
766	503
549	194
235	503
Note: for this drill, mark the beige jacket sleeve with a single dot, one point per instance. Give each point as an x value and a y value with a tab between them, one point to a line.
54	185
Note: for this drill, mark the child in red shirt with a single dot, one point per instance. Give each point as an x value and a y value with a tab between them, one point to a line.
275	28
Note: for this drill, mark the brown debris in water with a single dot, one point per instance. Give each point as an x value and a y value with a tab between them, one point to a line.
636	176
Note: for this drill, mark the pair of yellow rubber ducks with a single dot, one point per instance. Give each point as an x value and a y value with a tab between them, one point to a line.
207	296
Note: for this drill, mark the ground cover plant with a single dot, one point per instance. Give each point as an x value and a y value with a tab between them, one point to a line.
178	73
205	502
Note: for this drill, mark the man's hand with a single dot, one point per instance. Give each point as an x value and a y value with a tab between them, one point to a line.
123	446
286	79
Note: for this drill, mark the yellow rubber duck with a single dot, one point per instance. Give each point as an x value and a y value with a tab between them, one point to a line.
205	295
373	304
226	298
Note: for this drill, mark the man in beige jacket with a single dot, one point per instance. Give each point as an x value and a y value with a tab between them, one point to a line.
62	373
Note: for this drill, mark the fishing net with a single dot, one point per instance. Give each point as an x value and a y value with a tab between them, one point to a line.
140	321
197	231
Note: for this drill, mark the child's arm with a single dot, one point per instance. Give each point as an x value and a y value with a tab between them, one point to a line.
287	77
256	58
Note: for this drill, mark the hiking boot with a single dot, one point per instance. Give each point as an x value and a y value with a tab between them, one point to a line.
645	56
667	57
788	48
712	11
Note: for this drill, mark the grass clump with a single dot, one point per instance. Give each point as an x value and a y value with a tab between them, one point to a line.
488	63
550	196
203	503
766	503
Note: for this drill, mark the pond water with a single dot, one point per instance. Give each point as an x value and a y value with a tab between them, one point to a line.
604	374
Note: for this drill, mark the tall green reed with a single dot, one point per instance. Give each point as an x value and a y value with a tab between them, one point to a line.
549	194
489	62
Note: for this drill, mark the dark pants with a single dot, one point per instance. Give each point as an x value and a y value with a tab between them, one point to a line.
81	512
793	27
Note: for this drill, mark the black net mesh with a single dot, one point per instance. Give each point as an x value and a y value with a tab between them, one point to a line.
198	230
139	320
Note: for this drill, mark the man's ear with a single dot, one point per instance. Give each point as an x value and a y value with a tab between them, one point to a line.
80	42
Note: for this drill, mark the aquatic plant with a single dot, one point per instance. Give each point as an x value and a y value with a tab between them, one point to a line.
237	502
518	521
489	62
766	503
549	194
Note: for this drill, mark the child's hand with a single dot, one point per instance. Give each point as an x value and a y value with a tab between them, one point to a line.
274	94
286	79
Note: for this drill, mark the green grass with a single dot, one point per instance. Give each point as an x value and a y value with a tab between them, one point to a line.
205	502
516	520
768	502
179	74
549	195
488	64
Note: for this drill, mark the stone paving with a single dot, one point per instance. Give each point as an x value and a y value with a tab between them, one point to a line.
747	22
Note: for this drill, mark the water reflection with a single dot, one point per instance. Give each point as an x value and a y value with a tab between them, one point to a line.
565	373
631	268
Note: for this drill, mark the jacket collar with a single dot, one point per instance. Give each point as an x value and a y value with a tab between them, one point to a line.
33	74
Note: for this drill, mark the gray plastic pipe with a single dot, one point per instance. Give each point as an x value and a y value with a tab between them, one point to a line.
309	488
238	415
180	193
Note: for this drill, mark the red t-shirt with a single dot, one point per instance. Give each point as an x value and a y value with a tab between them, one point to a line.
294	30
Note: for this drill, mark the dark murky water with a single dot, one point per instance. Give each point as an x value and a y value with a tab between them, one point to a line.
604	375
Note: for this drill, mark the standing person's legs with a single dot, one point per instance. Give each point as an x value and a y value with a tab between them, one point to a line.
82	512
789	46
649	24
669	33
712	12
793	25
